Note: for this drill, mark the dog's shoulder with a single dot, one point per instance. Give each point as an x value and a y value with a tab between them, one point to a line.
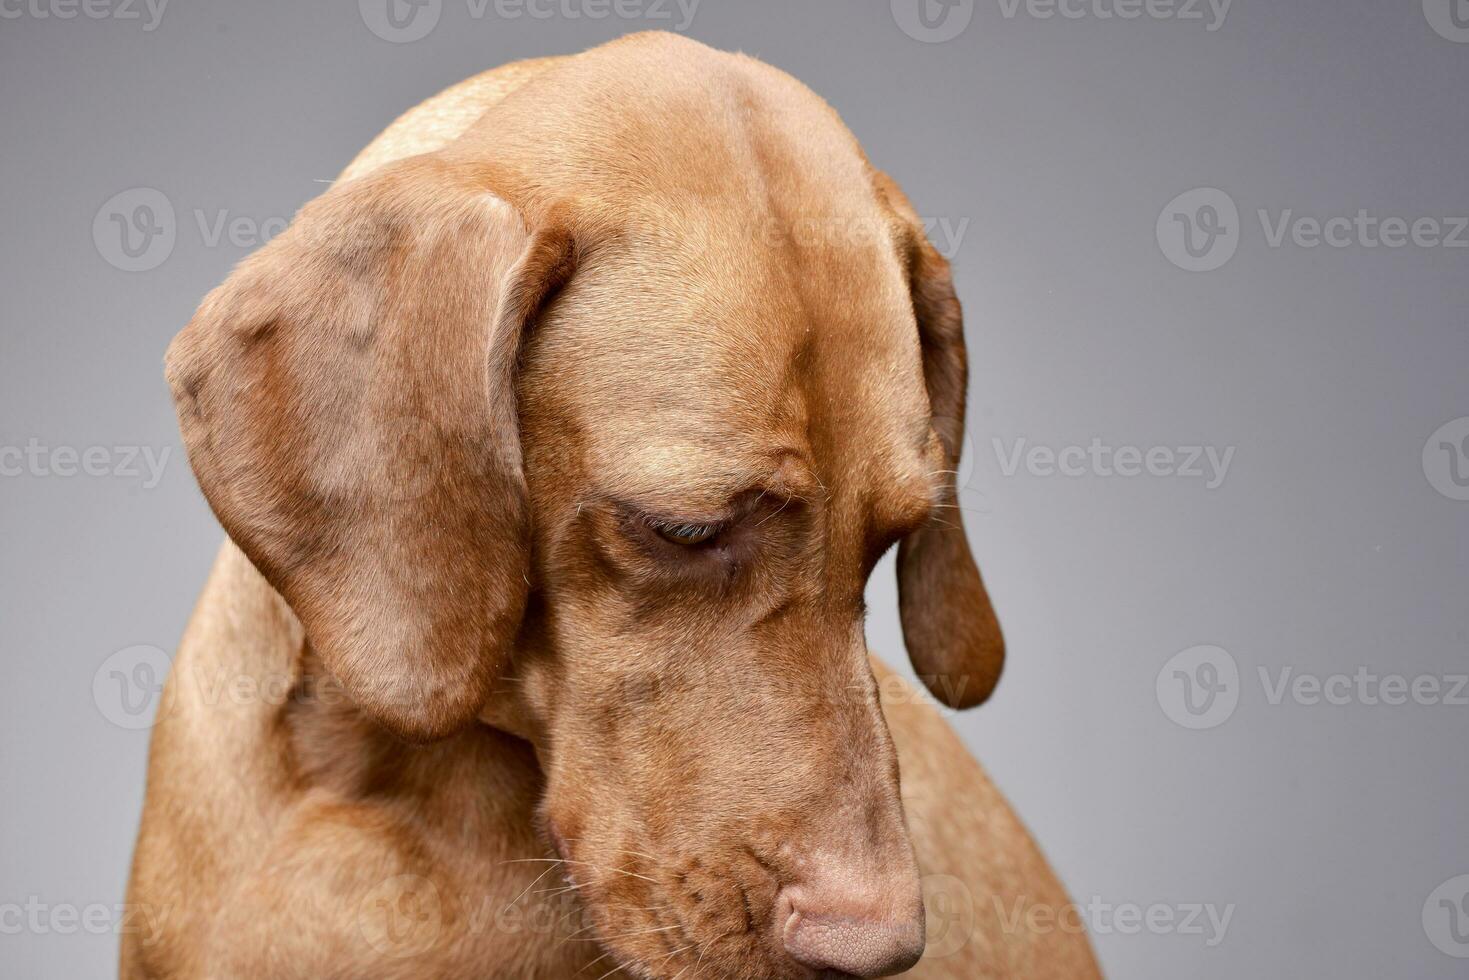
983	873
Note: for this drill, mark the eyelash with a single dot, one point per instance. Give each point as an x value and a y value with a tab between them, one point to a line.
683	534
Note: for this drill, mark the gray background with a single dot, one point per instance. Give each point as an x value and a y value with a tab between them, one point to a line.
1059	141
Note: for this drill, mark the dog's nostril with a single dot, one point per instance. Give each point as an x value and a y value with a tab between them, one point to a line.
854	946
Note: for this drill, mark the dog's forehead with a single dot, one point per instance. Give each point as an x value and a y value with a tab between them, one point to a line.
698	368
740	295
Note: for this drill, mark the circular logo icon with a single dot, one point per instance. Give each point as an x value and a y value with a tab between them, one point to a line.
401	21
413	450
948	915
1199	688
128	687
1448	18
1446	917
1199	229
135	230
933	21
401	916
1446	459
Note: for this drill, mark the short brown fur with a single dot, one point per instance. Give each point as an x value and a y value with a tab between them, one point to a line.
443	418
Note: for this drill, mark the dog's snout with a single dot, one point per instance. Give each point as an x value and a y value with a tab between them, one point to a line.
854	927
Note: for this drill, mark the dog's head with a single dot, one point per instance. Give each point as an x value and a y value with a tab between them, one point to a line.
601	448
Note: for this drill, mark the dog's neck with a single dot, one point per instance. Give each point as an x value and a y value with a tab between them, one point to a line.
389	822
336	747
466	807
484	776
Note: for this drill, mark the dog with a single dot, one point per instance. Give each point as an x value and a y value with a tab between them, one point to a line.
555	445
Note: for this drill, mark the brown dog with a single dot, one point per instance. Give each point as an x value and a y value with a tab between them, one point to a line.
560	438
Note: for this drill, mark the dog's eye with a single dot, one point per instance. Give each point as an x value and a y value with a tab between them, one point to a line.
687	535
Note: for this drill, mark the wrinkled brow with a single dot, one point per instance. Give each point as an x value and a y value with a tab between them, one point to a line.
700	484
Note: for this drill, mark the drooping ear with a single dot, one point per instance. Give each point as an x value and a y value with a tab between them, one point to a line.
949	625
347	402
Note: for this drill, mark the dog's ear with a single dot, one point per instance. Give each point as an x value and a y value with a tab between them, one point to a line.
949	625
347	400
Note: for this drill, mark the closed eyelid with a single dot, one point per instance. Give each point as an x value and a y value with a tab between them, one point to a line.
733	512
706	473
682	527
680	515
722	499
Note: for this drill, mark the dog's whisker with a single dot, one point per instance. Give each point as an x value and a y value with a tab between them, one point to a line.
641	855
587	864
610	972
632	874
623	850
629	935
595	961
681	949
775	513
574	936
671	955
705	948
533	884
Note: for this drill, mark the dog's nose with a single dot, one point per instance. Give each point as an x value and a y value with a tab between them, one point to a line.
854	932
